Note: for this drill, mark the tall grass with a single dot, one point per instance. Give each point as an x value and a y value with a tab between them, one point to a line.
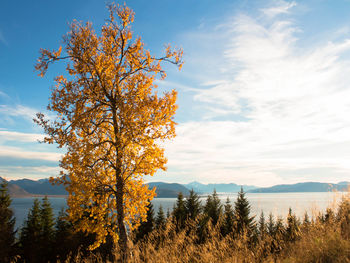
325	238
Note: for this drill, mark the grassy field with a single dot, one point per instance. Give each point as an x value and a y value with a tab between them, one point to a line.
324	238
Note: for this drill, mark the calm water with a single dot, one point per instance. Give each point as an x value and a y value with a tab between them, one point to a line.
275	203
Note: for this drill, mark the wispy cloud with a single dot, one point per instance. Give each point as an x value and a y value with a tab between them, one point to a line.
3	94
292	100
19	153
279	7
7	111
20	136
29	172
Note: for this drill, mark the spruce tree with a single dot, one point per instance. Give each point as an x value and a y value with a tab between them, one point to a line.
47	228
180	211
192	205
146	226
30	237
160	219
7	223
63	236
278	237
243	220
212	211
293	226
279	227
306	221
228	223
262	226
271	225
213	208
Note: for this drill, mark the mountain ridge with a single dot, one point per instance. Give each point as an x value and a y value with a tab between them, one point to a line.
28	188
303	187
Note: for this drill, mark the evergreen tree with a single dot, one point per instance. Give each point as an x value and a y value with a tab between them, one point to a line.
192	205
160	219
243	219
278	237
279	227
30	237
228	223
63	236
7	223
293	226
47	228
180	211
262	226
212	211
146	226
306	221
213	208
271	225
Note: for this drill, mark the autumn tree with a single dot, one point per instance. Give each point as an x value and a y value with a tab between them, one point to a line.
111	121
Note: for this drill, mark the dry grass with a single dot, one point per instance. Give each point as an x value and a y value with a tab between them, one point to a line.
318	241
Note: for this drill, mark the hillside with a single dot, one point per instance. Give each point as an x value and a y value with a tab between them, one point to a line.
26	187
15	190
303	187
40	187
168	190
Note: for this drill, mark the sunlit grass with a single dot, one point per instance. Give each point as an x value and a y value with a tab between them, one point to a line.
326	238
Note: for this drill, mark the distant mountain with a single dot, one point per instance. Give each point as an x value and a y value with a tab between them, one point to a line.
15	190
40	187
29	187
209	188
303	187
26	187
167	190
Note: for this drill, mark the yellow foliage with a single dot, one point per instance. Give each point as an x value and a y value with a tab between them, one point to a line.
110	120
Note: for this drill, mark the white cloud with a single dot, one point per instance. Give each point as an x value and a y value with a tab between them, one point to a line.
29	172
295	102
19	136
15	152
282	7
21	111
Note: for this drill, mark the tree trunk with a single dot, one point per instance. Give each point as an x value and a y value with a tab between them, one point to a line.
123	238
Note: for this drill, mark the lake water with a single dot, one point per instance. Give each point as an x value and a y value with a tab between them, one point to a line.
275	203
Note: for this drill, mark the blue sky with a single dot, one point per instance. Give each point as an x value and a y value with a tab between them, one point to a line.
264	95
